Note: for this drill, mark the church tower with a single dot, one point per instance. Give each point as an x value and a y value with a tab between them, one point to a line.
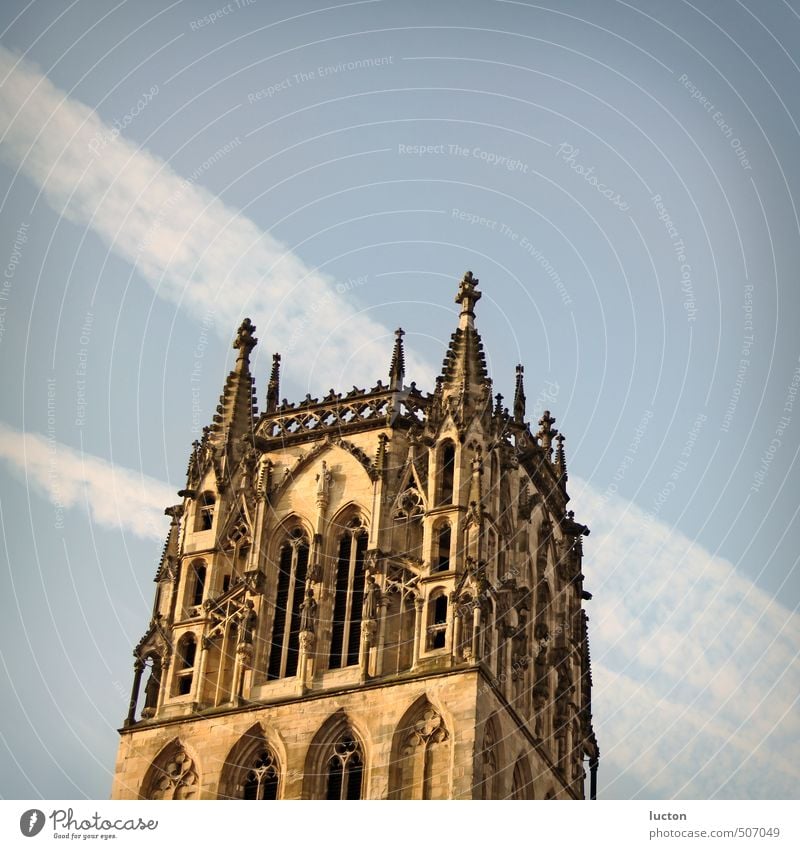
374	594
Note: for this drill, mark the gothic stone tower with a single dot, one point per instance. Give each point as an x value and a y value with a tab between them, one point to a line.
373	595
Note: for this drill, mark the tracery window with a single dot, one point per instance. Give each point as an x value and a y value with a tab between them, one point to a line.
173	775
261	782
420	766
348	597
292	569
345	769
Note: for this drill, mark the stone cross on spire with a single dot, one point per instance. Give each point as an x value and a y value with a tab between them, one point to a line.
547	432
468	296
245	341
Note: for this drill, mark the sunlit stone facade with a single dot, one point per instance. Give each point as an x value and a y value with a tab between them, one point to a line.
375	594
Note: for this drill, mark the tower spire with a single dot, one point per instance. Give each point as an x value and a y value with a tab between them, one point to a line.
519	397
274	385
464	376
397	369
236	408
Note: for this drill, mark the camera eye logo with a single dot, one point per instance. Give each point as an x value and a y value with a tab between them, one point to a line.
31	822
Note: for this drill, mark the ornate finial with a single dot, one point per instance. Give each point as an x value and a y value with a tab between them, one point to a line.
561	460
468	295
498	404
547	432
519	397
397	369
245	340
273	387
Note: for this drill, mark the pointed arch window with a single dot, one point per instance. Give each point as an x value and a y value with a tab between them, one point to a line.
420	763
443	539
197	578
447	466
437	620
292	571
261	781
205	511
407	531
345	769
348	596
184	673
173	775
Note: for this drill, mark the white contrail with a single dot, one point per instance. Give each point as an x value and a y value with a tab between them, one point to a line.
191	248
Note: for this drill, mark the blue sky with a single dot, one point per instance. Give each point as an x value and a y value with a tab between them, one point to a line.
621	176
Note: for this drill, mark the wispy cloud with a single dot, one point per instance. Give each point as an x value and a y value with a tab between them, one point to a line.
695	667
114	496
190	247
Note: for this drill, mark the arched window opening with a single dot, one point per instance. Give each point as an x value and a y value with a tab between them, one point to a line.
349	596
345	769
488	763
466	610
443	549
172	775
292	569
261	782
420	765
152	688
437	621
184	673
205	511
407	529
398	648
522	787
198	579
447	473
